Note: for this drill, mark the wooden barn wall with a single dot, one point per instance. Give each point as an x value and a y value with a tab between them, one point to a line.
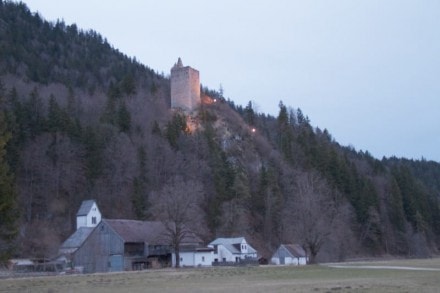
94	254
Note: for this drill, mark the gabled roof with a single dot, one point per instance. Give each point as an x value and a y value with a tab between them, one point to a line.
85	207
233	244
232	241
295	250
151	232
77	238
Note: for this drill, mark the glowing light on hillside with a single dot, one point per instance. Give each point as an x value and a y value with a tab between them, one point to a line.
208	100
253	130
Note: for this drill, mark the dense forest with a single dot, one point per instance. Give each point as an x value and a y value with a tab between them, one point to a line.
81	120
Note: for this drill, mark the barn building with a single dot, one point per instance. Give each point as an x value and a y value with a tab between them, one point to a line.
121	245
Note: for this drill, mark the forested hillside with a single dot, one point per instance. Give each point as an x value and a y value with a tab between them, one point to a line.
81	120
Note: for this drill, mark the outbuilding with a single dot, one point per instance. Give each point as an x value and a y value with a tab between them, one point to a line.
289	254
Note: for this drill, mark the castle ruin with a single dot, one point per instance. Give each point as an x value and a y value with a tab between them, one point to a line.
185	87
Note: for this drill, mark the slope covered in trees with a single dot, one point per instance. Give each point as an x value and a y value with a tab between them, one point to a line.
81	120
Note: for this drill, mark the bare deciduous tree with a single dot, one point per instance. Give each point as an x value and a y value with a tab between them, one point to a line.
310	213
177	206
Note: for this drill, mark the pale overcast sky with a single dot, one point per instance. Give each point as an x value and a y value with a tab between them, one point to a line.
367	70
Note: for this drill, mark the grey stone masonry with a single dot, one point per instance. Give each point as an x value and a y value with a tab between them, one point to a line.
185	87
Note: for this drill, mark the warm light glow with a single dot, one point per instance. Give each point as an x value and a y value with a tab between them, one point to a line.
253	130
208	100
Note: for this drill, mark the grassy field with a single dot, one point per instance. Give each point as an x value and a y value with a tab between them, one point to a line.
319	278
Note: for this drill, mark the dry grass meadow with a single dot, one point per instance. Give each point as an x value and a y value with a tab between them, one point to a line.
399	276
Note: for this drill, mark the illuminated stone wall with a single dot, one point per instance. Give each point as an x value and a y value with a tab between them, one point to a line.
185	87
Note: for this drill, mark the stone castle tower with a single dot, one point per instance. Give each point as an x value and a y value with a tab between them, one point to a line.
185	87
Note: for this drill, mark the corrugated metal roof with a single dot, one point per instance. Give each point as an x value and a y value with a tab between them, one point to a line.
77	238
151	232
295	250
236	240
85	207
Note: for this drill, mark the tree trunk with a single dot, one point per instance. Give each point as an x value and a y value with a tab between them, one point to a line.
313	252
177	251
312	259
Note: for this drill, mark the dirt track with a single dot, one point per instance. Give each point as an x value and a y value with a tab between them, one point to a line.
381	267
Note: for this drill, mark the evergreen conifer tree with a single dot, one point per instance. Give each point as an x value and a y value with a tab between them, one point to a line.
8	212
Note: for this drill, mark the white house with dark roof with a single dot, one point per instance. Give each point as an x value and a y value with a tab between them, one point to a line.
289	254
232	250
88	214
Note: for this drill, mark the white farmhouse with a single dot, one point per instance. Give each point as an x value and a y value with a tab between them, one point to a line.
232	250
88	215
289	254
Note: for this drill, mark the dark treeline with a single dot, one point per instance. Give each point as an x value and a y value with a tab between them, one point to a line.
81	120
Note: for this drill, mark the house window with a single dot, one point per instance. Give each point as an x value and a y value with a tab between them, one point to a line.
203	259
94	220
224	259
181	259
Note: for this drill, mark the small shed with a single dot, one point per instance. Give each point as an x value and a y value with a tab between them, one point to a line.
289	254
195	257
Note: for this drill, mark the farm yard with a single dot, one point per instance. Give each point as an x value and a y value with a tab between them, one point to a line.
380	276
